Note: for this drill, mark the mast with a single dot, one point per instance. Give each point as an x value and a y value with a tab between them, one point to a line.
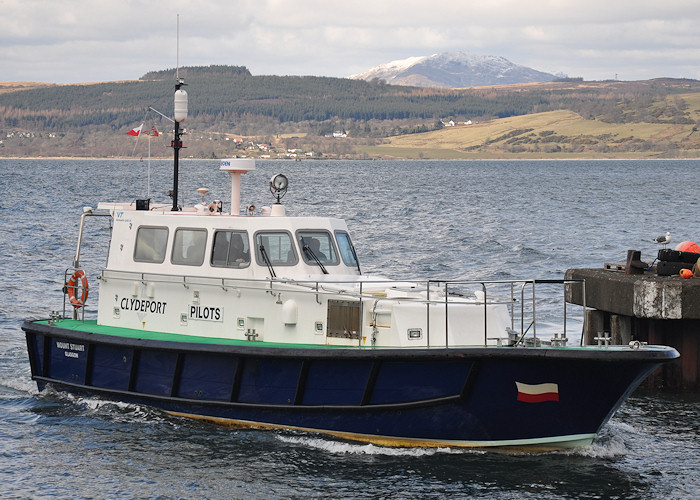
180	114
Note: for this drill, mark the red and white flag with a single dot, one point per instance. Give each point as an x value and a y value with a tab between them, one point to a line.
135	131
537	393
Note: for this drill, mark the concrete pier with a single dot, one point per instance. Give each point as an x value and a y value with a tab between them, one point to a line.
655	309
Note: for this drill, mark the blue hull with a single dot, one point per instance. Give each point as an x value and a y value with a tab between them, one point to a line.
456	396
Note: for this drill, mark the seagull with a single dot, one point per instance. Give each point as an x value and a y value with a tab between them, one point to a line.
663	240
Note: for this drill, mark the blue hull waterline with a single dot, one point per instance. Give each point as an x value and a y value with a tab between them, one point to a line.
427	397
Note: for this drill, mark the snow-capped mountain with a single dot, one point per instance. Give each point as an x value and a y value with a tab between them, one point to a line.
453	70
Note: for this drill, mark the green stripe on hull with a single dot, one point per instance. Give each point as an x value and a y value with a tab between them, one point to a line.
91	326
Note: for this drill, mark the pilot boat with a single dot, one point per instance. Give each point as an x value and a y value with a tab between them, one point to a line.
263	319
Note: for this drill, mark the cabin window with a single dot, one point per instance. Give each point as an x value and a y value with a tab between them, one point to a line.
151	244
277	246
230	249
347	251
317	245
189	246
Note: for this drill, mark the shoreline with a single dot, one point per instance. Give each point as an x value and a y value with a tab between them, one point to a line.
504	158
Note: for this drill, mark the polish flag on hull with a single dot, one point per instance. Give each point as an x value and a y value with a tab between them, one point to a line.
537	393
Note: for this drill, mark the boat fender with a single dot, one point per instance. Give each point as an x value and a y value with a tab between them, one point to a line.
71	287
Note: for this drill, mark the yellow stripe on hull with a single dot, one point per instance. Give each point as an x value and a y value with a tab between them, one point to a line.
525	445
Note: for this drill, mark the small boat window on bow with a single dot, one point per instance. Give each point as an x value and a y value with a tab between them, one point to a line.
151	244
189	246
347	250
230	249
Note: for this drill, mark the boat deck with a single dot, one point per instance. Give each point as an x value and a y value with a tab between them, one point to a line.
91	327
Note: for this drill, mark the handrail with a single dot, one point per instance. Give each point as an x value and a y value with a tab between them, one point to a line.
362	290
447	316
483	289
88	212
427	313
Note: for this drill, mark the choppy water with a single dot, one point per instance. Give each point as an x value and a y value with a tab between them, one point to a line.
468	220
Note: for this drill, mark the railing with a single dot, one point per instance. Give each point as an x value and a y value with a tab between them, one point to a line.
70	286
437	292
511	300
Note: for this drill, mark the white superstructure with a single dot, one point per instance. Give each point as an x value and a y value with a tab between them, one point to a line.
273	278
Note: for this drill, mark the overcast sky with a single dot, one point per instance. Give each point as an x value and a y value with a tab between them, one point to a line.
72	41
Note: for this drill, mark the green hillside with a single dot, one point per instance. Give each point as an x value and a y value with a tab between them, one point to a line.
233	112
552	134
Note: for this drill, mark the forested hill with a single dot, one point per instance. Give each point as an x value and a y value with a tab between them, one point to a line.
229	100
224	92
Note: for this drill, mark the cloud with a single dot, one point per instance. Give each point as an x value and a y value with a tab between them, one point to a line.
80	41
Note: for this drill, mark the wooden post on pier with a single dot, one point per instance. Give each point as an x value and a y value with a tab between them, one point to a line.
655	309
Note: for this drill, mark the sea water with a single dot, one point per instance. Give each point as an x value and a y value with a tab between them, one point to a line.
466	220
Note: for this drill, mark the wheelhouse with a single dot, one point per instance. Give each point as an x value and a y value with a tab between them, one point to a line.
222	245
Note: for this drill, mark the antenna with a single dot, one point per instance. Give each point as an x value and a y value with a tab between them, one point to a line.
177	50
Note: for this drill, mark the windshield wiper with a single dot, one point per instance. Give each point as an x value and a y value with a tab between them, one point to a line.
267	261
311	254
357	261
